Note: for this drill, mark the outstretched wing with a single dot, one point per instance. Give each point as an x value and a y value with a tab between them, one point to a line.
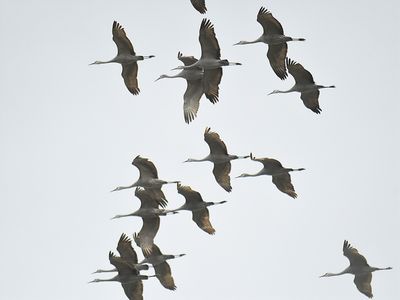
146	167
355	258
300	75
124	45
145	238
163	274
133	290
276	55
211	81
363	284
126	250
284	184
129	74
221	173
191	99
191	196
268	22
199	5
310	100
208	41
187	60
216	145
202	219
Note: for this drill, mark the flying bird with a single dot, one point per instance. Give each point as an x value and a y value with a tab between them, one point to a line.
161	267
280	175
127	57
210	61
273	36
128	254
359	267
148	177
194	89
194	202
219	157
304	84
199	5
150	202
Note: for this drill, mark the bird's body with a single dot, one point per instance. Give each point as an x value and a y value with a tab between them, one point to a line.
126	57
360	268
274	37
219	157
305	85
194	89
280	175
194	203
148	177
210	61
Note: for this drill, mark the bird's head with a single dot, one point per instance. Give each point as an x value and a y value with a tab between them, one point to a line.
161	77
94	280
273	92
97	271
189	160
95	63
240	43
116	189
243	175
326	275
116	217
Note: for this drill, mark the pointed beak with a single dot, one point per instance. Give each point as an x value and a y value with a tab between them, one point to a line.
158	79
270	93
177	68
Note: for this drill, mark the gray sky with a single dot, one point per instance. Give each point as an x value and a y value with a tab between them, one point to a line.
69	133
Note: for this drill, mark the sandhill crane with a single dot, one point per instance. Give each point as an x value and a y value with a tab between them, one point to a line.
305	85
359	267
126	57
280	175
127	253
148	177
149	205
210	60
273	36
161	267
128	276
220	157
194	202
199	5
145	238
194	89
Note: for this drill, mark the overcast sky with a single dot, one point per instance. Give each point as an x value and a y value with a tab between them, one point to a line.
69	132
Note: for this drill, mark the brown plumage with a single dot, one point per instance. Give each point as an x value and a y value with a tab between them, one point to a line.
280	175
360	268
127	57
162	270
274	36
219	157
199	5
194	202
145	238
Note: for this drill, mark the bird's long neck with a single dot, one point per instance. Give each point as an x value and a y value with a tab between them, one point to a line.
249	175
259	40
197	160
281	92
116	278
105	271
125	187
345	271
99	62
123	216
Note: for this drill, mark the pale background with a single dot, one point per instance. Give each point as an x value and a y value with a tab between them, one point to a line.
69	132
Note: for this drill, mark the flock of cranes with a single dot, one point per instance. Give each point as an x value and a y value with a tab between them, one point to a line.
203	77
